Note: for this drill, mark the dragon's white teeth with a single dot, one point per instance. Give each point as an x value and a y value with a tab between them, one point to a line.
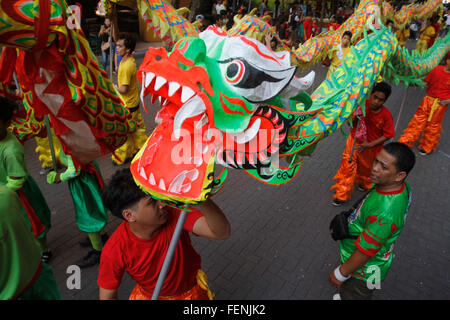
162	101
143	79
186	94
151	179
162	185
142	95
142	172
190	109
248	134
148	78
159	82
173	87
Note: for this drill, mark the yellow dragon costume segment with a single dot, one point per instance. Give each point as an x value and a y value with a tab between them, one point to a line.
409	12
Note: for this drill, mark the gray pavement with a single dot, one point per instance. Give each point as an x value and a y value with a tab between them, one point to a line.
280	246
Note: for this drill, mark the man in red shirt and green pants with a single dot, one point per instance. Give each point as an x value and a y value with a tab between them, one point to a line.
376	127
377	223
429	115
139	244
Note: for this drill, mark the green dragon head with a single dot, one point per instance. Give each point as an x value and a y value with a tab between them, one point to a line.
222	101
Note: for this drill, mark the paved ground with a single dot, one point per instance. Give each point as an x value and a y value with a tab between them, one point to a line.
280	247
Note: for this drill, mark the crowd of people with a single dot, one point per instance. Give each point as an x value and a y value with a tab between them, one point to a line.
138	245
300	21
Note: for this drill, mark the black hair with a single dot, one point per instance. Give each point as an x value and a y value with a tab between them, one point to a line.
274	39
389	21
216	18
382	87
129	40
405	157
7	107
121	192
348	33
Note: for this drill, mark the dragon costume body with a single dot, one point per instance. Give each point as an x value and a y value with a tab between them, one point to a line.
60	76
411	11
232	101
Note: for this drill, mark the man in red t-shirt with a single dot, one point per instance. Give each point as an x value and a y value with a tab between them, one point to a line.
429	115
140	243
376	127
307	28
332	25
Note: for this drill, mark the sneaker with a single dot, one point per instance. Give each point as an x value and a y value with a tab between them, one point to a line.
338	203
46	256
422	152
91	259
86	242
45	171
337	296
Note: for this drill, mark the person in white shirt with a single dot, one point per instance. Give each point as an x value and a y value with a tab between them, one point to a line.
447	19
413	27
220	6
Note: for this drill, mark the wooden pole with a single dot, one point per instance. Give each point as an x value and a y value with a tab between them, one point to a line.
405	95
110	53
50	141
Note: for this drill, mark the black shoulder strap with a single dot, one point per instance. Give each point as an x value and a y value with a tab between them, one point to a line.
357	203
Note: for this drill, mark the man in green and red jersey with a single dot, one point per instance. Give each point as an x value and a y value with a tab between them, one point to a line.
377	221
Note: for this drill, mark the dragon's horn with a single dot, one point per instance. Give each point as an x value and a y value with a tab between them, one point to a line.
183	10
252	13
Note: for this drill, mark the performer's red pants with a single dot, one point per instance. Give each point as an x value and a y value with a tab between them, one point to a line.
426	121
356	171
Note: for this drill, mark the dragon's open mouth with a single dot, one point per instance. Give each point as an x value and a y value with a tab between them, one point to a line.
185	143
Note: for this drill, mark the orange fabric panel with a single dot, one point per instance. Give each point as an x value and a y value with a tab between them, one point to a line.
357	171
427	121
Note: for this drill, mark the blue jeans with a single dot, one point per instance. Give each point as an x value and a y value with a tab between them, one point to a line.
105	59
105	56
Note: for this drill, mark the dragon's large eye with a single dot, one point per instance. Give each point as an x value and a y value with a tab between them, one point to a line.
235	71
